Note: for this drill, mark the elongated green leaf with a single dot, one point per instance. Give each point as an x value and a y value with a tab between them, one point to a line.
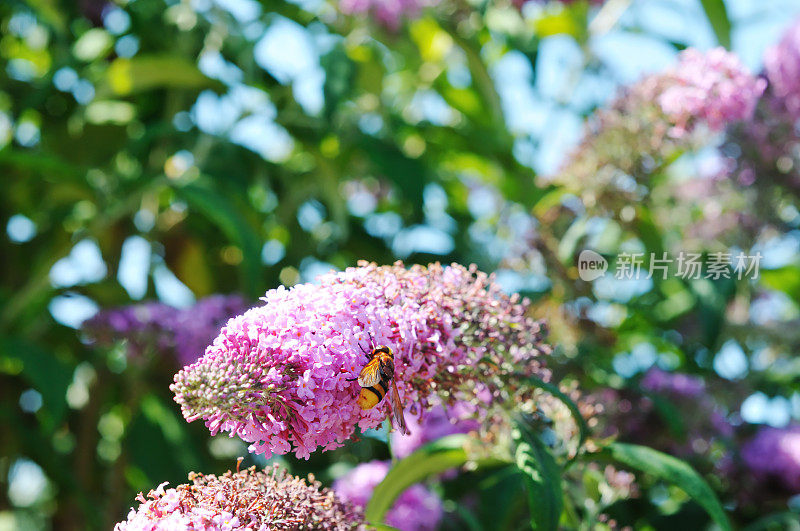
542	479
717	16
127	76
430	460
675	471
225	214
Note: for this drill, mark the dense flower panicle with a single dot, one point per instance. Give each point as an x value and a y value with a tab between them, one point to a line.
416	509
712	88
152	325
390	13
782	68
774	454
431	425
282	376
660	116
245	500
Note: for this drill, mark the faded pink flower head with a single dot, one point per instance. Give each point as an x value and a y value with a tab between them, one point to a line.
712	88
245	500
389	13
655	119
782	67
416	509
282	376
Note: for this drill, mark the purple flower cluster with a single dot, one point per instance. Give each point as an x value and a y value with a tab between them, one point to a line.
773	454
416	509
153	325
782	67
245	500
673	383
389	13
712	88
282	376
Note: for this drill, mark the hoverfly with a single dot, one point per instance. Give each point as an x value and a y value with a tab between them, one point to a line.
375	379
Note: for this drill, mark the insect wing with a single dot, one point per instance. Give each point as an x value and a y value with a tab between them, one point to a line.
397	410
371	373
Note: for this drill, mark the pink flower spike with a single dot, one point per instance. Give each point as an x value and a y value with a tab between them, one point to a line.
452	330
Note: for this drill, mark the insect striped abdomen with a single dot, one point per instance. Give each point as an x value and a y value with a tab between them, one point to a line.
370	396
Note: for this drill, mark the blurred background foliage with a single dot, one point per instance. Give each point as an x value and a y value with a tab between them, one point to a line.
170	150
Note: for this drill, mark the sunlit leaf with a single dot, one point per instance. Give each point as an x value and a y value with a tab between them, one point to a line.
674	471
785	279
92	45
141	73
429	460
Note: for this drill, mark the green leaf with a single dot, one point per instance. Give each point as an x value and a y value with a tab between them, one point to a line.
717	16
45	373
673	470
92	45
429	460
785	279
339	75
228	217
408	175
542	478
141	73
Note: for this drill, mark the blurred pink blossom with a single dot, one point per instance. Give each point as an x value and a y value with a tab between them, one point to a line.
390	13
712	87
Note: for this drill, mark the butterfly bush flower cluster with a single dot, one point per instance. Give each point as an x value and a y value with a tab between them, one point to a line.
766	150
243	500
416	509
658	117
712	88
283	376
782	67
676	384
389	13
155	326
773	455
